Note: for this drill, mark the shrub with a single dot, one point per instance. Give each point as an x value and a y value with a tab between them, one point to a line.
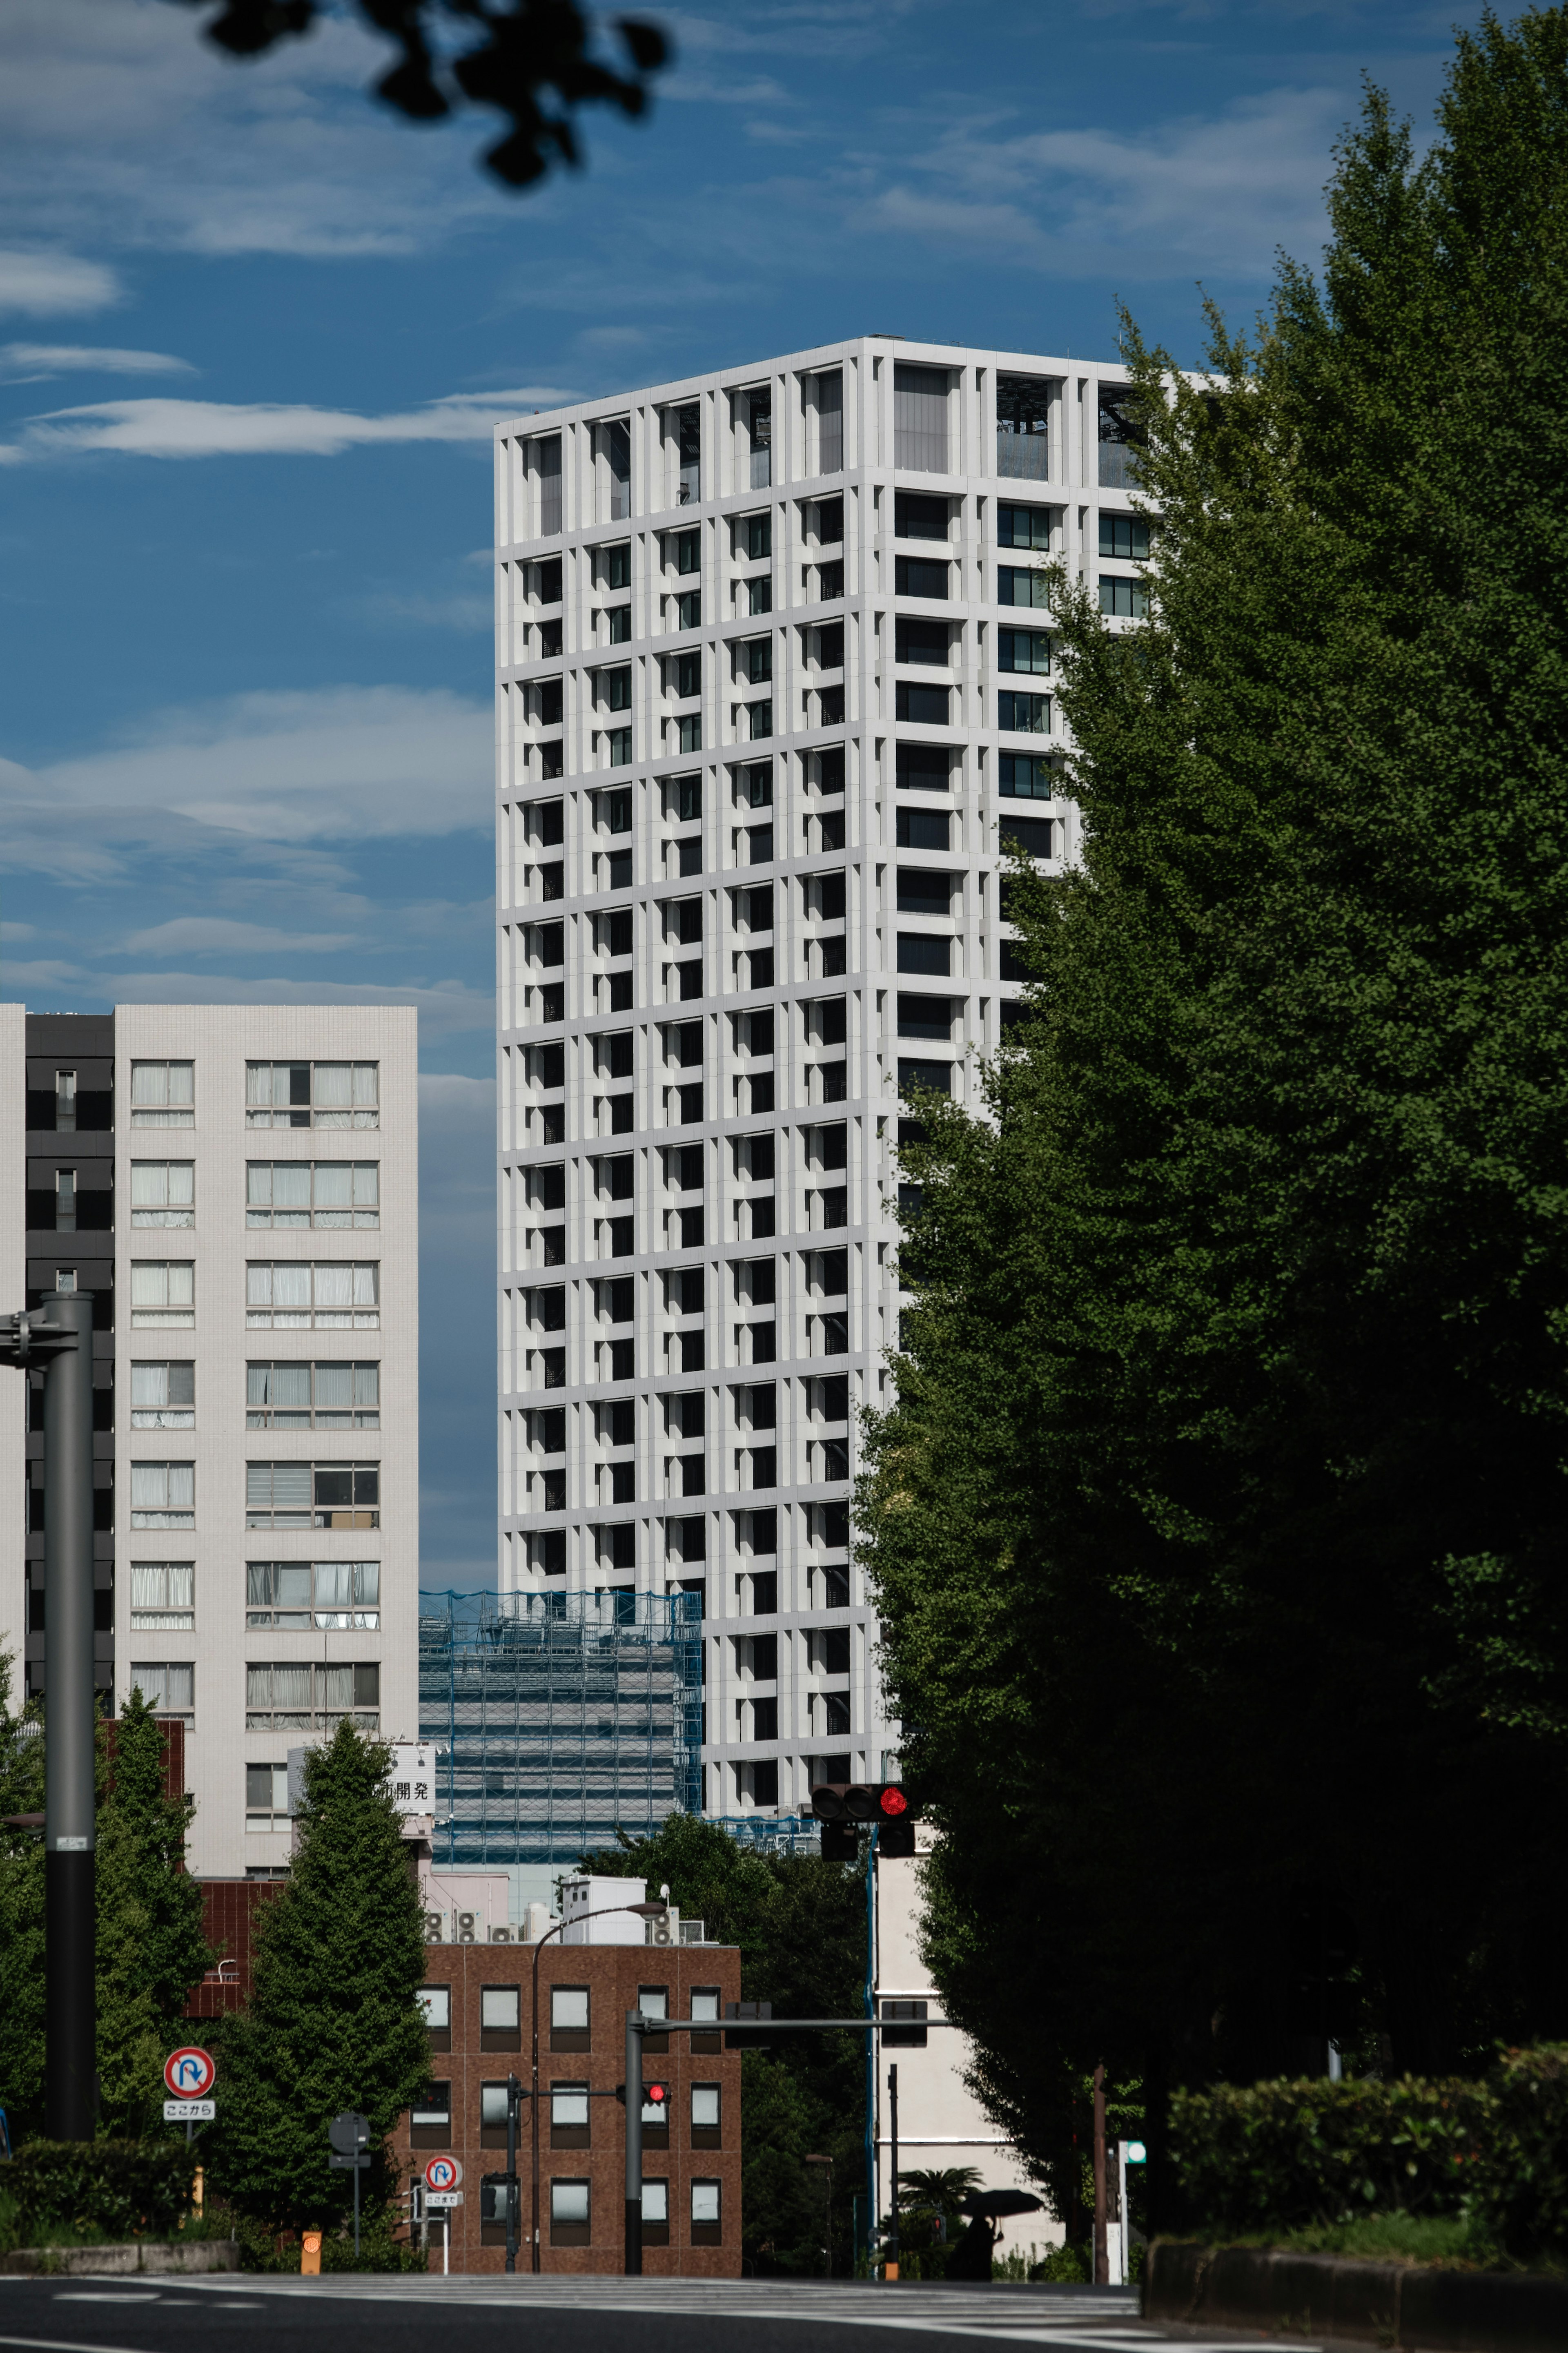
1287	2155
91	2189
264	2249
1520	2192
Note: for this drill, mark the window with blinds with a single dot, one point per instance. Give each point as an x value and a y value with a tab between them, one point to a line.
285	1295
313	1095
311	1495
163	1094
297	1596
919	418
163	1292
168	1686
292	1396
308	1696
163	1597
162	1494
312	1193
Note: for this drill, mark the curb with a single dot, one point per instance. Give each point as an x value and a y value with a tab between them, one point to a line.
1417	2307
158	2256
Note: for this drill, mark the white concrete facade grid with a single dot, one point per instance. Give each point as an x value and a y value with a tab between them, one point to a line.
774	662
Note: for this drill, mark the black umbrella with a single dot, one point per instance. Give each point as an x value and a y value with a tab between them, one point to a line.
993	2203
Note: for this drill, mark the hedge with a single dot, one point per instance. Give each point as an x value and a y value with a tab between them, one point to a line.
114	2189
1287	2156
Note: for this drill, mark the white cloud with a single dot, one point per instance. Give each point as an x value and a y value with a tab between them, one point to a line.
342	764
447	1009
211	429
119	112
55	285
34	362
221	935
1191	193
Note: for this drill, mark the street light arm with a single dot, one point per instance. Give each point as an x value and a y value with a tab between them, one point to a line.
655	1910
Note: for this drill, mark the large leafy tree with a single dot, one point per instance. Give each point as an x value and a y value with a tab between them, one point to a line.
21	1913
1219	1523
151	1945
333	2023
800	1925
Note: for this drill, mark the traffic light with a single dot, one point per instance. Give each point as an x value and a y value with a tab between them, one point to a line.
841	1806
654	2095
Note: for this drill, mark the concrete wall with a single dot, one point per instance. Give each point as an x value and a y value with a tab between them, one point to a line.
940	2122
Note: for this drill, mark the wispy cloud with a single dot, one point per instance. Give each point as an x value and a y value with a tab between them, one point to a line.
447	1007
35	363
211	429
222	935
55	285
335	763
118	113
1211	193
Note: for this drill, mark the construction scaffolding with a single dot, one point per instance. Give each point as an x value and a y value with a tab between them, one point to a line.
558	1719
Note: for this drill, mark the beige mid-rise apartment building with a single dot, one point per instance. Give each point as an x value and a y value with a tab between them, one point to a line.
236	1186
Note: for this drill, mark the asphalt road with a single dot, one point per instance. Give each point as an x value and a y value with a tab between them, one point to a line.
358	2314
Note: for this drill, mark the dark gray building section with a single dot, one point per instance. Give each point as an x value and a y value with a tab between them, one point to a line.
70	1244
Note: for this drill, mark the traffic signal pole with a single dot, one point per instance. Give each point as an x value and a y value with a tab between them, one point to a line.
59	1337
637	2026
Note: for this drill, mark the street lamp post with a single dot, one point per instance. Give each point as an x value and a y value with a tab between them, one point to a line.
827	2211
59	1337
655	1910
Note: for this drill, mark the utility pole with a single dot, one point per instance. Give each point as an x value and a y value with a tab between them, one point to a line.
59	1337
1101	2248
634	2146
513	2198
890	2269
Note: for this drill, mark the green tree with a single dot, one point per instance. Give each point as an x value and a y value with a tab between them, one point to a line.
1218	1524
333	2023
800	1925
21	1914
151	1945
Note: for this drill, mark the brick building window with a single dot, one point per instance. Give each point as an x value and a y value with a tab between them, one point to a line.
430	2117
707	2217
569	2115
569	2018
655	2213
570	2214
500	2026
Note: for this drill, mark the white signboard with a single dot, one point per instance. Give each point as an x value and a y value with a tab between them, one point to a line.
414	1777
189	2112
440	2199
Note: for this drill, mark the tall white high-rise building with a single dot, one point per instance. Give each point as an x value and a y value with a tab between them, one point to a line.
774	678
236	1186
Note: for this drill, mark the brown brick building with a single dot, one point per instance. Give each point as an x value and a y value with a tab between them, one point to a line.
479	1999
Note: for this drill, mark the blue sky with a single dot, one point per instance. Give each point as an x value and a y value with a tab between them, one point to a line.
253	334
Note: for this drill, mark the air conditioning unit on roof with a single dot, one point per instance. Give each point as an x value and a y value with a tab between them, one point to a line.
468	1927
503	1936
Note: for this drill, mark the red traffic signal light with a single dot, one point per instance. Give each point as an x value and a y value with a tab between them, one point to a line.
840	1806
656	2096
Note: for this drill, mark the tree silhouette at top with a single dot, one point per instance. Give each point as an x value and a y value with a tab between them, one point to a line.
533	62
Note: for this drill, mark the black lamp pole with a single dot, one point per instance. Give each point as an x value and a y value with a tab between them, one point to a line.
59	1337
